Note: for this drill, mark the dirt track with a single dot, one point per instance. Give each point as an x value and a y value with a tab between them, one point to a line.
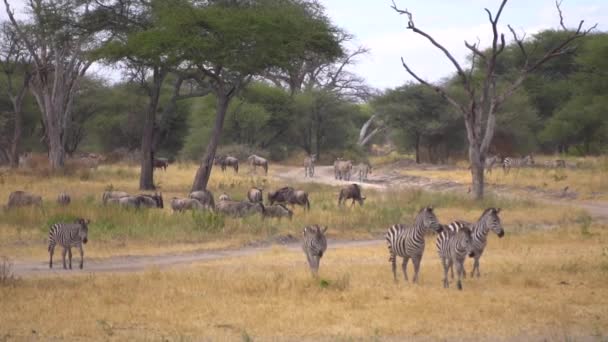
382	179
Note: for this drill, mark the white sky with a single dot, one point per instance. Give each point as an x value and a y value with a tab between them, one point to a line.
377	27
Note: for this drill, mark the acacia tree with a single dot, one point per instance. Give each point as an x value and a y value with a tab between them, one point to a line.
14	61
484	98
230	42
61	36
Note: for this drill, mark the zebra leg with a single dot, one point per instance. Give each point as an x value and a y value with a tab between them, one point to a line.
65	250
394	266
444	262
316	260
416	261
70	256
460	271
452	271
476	267
51	251
81	257
404	267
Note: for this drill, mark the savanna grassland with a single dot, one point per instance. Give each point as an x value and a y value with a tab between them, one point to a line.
545	279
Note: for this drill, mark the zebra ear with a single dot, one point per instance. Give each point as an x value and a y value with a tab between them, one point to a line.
497	210
324	229
429	208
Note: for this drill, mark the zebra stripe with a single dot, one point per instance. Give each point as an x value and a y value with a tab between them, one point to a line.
68	235
510	162
408	241
453	245
489	220
64	199
314	246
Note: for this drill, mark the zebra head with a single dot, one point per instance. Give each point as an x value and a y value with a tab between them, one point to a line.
491	221
83	232
427	218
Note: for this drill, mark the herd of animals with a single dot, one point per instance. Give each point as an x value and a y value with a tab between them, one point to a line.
455	241
508	163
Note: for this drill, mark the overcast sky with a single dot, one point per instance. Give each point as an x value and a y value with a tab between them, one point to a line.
377	27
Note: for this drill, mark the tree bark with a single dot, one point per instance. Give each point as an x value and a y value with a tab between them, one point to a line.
17	128
417	149
477	166
204	171
146	176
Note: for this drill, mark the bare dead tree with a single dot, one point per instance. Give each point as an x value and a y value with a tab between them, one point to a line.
484	100
15	63
367	133
58	48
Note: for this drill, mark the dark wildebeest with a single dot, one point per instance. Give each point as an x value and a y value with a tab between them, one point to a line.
230	161
309	165
254	195
255	161
23	199
205	197
64	199
107	195
277	210
353	192
181	204
152	201
239	209
288	195
161	163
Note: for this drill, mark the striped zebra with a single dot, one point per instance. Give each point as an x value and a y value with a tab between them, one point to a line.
489	220
453	245
510	162
68	235
309	165
64	199
408	241
314	245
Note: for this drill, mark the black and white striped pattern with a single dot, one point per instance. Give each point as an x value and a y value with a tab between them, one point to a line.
408	241
314	245
453	245
68	235
511	162
64	199
489	220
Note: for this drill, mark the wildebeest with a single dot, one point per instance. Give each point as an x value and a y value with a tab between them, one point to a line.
254	195
161	163
225	161
107	195
255	161
309	165
353	192
277	210
152	201
64	199
342	169
205	197
23	199
127	201
181	204
363	169
239	209
288	195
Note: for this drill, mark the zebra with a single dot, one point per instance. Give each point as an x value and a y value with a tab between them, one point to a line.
408	241
510	162
491	161
309	165
453	245
68	235
314	245
64	199
489	220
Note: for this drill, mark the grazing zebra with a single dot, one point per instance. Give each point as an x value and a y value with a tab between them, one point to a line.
68	235
309	165
64	199
314	245
510	162
408	241
453	246
490	162
489	220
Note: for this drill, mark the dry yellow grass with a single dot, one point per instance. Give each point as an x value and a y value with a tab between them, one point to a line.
534	285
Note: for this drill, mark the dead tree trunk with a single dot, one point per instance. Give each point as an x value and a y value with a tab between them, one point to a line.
482	102
146	176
